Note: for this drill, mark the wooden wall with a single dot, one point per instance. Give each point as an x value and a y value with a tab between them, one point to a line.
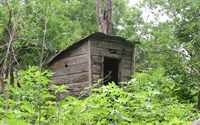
83	65
72	69
112	49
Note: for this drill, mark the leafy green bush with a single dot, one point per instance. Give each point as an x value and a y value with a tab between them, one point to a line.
154	100
32	102
148	99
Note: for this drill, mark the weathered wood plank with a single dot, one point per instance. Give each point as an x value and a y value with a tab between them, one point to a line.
126	65
78	85
96	77
72	69
74	89
83	49
127	58
104	52
77	88
70	61
97	68
97	59
125	78
111	53
113	45
75	78
126	72
89	62
76	59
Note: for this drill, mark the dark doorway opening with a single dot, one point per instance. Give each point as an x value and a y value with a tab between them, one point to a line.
111	70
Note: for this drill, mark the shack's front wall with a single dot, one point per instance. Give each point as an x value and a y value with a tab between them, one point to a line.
72	69
112	49
78	67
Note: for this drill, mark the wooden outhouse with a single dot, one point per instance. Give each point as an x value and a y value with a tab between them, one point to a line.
98	57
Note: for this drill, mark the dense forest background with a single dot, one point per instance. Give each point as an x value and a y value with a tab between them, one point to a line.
165	89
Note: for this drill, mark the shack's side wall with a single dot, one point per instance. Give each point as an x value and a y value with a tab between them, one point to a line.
72	69
112	49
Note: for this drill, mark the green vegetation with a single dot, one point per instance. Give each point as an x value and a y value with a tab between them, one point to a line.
164	91
149	98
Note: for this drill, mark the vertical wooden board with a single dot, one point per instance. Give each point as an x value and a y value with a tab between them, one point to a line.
97	68
90	62
125	78
120	71
126	72
126	65
125	68
96	60
96	77
133	60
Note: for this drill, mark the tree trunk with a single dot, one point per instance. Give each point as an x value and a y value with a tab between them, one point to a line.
1	85
9	37
104	16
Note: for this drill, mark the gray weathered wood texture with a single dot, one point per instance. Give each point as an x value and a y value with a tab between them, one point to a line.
72	69
112	49
81	65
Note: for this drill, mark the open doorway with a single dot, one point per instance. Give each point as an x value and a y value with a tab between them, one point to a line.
111	70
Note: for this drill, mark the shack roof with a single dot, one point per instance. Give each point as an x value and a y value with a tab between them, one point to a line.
94	36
